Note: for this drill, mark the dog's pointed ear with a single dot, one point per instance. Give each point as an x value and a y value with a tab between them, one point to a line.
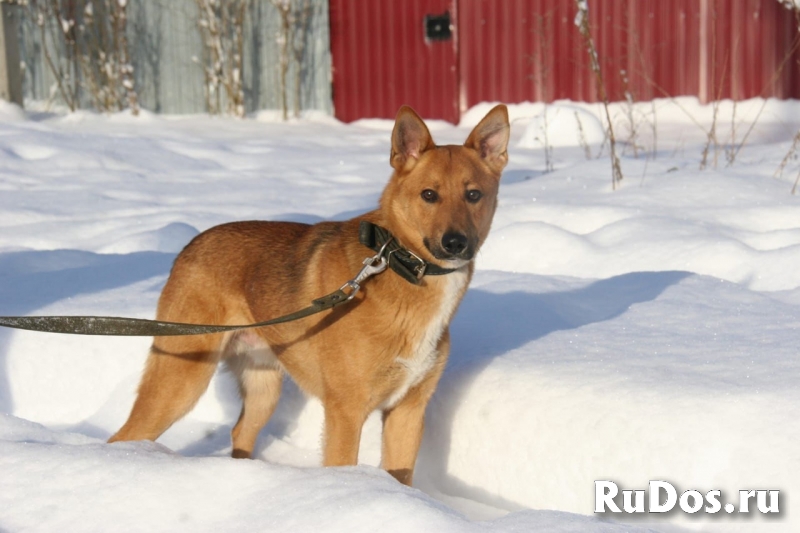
410	138
490	138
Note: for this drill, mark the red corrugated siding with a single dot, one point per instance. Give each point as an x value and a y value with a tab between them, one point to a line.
381	60
664	41
530	50
501	51
708	48
748	41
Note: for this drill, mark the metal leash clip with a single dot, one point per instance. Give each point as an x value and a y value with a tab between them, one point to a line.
372	265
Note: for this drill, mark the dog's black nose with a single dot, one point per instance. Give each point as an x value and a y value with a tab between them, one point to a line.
454	243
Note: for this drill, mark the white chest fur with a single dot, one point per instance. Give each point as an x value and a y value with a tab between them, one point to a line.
423	357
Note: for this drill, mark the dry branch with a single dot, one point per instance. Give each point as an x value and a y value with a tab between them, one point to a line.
85	47
582	22
789	155
542	28
302	23
221	25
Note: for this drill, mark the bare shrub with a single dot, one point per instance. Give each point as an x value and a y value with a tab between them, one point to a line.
633	120
582	137
302	24
104	57
85	47
221	25
793	6
789	155
582	22
775	75
543	30
52	21
645	68
295	17
711	134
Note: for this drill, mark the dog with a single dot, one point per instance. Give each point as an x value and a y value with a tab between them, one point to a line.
384	350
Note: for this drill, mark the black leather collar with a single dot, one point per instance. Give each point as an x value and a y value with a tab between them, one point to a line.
401	260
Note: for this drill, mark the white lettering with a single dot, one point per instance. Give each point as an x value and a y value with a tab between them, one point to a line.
655	497
638	506
697	503
662	497
604	492
712	497
744	500
761	498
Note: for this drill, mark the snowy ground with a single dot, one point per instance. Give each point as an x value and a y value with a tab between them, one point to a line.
649	333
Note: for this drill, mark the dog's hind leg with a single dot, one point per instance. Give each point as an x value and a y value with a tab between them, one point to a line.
177	373
260	388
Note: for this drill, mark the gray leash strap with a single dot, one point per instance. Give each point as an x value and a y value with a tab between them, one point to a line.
140	327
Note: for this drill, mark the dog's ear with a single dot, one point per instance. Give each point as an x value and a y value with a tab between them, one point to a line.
410	138
490	138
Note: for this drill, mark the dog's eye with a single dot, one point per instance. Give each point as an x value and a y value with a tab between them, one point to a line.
430	196
474	195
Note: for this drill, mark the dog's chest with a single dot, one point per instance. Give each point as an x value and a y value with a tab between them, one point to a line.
422	356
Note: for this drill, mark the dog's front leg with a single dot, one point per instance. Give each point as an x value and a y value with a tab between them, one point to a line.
343	423
403	425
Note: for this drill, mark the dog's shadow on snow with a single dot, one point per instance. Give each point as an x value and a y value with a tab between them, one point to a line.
30	280
490	324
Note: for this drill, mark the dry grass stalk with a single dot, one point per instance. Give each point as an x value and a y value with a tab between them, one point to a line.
711	135
632	122
302	23
104	56
730	153
291	39
789	155
47	14
645	67
653	83
582	137
85	47
221	25
542	28
775	75
711	138
284	38
127	78
582	22
654	126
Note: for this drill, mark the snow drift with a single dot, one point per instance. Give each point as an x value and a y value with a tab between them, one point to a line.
647	333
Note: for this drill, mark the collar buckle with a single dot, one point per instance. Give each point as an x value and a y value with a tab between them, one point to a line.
420	268
405	263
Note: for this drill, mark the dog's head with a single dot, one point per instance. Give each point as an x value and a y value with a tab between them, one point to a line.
441	199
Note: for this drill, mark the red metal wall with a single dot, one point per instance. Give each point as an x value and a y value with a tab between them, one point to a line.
746	50
518	50
382	61
530	50
707	48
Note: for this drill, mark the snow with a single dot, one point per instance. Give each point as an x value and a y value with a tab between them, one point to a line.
648	333
565	125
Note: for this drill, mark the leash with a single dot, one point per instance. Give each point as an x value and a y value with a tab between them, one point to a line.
389	253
